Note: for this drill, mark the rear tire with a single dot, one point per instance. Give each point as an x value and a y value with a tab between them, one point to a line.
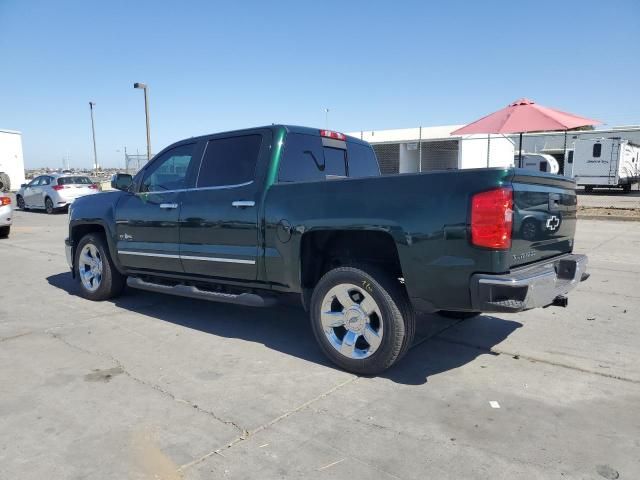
362	319
627	188
458	315
4	231
588	189
48	206
99	278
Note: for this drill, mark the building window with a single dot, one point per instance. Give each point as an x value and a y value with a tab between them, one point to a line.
597	150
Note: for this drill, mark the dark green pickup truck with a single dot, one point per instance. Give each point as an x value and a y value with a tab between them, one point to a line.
241	216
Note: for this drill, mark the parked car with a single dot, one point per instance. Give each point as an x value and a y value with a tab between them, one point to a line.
54	191
240	217
6	215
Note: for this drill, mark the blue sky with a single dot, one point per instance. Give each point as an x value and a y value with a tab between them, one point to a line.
214	66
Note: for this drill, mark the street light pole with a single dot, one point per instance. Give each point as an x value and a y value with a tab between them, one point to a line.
143	86
326	118
93	131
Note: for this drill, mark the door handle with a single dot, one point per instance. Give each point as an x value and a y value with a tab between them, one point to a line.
168	205
243	203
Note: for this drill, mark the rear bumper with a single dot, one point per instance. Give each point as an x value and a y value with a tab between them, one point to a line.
530	287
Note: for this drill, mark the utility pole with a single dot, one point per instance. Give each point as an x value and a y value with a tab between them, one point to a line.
144	87
93	131
326	118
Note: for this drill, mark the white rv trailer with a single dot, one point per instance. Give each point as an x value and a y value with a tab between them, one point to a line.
605	163
11	160
540	162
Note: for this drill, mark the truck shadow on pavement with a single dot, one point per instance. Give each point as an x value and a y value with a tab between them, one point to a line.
440	345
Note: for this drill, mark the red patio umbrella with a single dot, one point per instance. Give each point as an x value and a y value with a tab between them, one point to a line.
524	116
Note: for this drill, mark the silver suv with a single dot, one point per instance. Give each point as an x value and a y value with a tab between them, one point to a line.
54	191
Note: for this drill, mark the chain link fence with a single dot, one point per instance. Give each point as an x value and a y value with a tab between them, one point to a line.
133	163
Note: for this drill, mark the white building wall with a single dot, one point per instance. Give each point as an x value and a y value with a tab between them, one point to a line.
473	152
409	157
11	159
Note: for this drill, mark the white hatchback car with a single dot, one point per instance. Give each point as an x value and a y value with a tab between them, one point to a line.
54	191
6	214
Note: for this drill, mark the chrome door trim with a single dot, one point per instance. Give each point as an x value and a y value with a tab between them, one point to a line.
187	257
217	259
147	254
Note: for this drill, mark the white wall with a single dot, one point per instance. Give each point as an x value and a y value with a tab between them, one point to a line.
11	159
473	152
409	159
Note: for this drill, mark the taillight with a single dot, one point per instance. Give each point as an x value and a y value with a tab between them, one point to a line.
492	218
58	187
332	134
93	186
5	201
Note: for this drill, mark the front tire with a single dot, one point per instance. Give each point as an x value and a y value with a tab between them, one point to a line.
99	279
362	319
20	202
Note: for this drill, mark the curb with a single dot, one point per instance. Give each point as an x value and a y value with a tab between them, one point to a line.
617	218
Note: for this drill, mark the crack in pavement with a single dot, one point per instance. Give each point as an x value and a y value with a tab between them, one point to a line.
497	351
27	249
153	386
270	423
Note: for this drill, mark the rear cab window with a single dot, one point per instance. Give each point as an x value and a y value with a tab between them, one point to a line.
314	158
74	181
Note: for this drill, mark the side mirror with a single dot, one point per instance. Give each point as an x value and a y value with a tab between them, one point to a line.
23	185
121	181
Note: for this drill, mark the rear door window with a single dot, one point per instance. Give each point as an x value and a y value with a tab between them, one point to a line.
229	161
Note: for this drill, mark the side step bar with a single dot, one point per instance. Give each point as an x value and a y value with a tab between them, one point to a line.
247	299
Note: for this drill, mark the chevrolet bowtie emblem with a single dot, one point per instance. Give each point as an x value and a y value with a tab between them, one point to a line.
553	223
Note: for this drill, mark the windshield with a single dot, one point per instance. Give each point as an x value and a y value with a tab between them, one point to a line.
74	181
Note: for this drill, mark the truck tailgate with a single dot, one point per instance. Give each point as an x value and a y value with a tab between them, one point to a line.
544	216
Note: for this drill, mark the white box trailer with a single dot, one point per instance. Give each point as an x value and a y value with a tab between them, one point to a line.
11	160
605	163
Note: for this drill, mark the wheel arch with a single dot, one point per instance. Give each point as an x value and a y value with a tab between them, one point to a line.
323	250
78	230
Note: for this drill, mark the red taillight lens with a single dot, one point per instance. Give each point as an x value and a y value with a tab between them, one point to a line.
58	187
492	218
332	134
5	201
93	186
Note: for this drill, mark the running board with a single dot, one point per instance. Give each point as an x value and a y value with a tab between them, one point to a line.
246	299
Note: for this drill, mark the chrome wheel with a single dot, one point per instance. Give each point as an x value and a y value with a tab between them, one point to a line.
351	321
90	267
